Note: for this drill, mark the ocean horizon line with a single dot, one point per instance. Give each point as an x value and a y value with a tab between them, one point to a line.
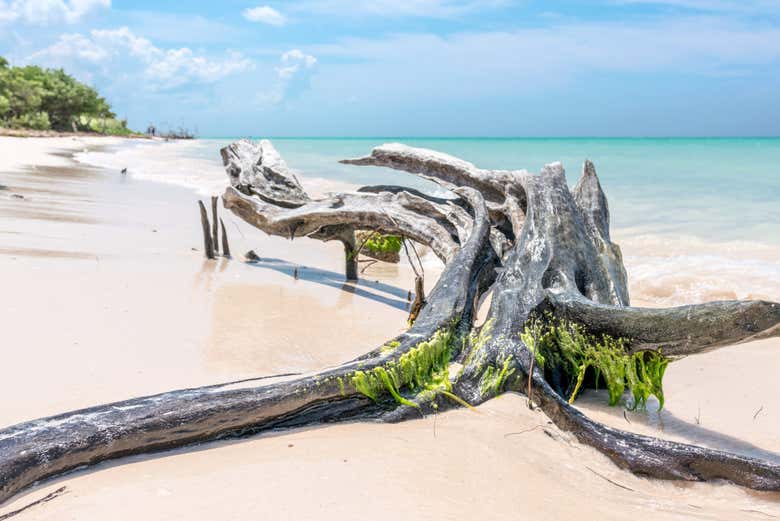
502	138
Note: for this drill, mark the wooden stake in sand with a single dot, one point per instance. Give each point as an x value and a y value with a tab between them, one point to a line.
214	229
208	247
225	245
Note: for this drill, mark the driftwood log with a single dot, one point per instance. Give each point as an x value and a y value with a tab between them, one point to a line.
535	244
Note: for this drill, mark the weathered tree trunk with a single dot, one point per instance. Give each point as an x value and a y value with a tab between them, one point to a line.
540	246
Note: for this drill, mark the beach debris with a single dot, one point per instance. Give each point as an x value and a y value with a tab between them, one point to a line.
211	233
758	412
123	171
295	273
45	499
419	299
17	196
754	511
214	224
602	476
251	256
508	434
208	246
540	249
225	245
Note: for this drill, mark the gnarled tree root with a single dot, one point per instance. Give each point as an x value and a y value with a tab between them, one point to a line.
542	247
43	448
653	457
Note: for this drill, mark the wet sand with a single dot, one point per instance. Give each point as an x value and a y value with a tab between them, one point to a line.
108	297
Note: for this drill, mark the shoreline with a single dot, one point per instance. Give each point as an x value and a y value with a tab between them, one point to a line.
28	133
177	320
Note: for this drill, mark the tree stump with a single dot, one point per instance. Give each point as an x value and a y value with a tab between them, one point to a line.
542	249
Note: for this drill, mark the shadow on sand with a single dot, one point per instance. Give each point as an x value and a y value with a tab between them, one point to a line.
667	422
380	292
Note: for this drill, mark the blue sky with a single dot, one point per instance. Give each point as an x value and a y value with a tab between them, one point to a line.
417	67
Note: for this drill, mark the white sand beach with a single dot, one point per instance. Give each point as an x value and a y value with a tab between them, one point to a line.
107	296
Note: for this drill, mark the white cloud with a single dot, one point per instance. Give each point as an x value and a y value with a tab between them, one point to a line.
44	12
265	14
293	77
76	46
689	45
163	68
295	62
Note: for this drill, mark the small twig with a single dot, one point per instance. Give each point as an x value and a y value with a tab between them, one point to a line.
508	434
419	261
697	419
613	482
409	258
362	244
626	416
758	411
530	379
60	491
238	229
756	512
531	370
369	263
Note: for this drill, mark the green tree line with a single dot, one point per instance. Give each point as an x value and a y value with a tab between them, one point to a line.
41	99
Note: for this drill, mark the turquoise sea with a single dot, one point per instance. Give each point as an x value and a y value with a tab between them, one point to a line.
695	216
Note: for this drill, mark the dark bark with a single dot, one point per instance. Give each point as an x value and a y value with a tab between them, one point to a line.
540	245
350	256
419	298
678	331
208	246
225	245
214	224
47	447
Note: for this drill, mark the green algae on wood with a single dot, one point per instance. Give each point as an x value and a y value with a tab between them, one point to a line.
422	367
379	243
494	376
390	347
566	346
